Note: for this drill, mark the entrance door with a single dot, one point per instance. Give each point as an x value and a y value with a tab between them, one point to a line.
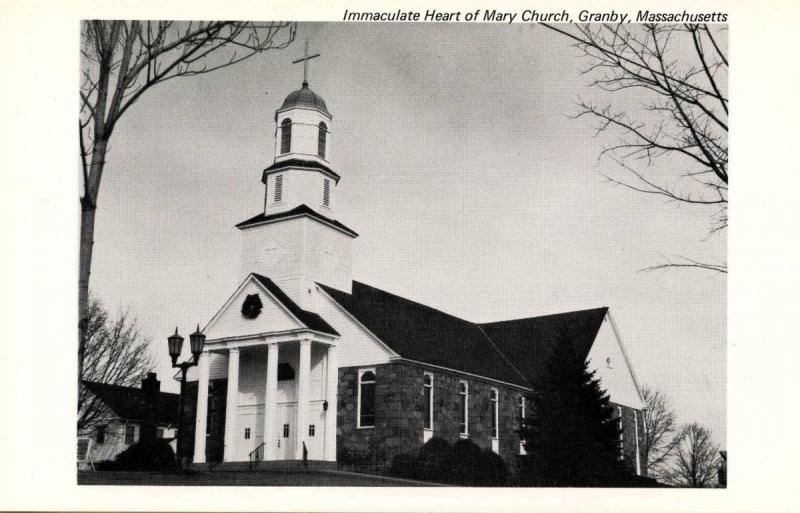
250	432
287	431
314	433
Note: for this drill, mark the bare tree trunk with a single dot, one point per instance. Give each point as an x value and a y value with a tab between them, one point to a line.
88	211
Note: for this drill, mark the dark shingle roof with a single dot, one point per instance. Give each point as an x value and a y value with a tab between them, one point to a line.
422	333
131	403
511	351
297	211
310	319
529	343
283	164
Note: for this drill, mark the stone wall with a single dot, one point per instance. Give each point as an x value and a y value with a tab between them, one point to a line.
629	438
399	412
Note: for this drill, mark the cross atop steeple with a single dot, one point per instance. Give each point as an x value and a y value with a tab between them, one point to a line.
305	60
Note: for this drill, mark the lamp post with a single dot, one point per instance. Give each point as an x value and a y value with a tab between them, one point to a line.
175	343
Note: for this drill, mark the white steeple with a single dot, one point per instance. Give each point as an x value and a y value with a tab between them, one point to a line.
296	241
301	172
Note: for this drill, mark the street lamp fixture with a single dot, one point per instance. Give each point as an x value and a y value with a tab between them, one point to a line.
175	344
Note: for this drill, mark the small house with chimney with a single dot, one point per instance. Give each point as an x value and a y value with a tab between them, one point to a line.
124	414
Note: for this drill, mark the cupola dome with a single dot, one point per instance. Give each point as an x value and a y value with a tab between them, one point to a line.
305	97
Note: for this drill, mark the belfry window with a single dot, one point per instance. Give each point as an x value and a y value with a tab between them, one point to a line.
278	188
322	141
326	193
286	136
366	398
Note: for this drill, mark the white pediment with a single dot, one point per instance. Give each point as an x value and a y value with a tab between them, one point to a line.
612	366
229	321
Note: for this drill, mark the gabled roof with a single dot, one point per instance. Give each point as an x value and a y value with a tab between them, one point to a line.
513	351
421	333
131	403
310	319
302	210
530	342
312	164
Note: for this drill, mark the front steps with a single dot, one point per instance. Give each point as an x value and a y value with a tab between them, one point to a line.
266	466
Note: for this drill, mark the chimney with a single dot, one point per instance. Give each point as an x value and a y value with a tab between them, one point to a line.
151	386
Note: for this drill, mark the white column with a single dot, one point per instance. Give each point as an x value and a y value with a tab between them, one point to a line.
202	410
331	385
271	403
303	388
232	406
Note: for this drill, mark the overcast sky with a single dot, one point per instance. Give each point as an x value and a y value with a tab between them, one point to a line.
471	188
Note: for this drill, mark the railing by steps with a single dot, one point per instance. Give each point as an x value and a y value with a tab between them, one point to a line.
256	455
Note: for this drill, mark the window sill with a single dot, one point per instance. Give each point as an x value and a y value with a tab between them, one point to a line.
463	435
365	427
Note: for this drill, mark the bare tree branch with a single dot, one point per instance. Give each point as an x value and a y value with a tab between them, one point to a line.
688	263
696	459
659	421
120	61
685	120
116	354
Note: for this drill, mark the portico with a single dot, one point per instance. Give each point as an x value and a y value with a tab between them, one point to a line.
281	393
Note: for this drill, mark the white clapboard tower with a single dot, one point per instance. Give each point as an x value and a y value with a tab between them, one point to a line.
296	240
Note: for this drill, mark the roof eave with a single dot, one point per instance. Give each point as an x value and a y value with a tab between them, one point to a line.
246	225
277	168
324	112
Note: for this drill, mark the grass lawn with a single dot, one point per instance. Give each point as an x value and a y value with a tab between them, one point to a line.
239	478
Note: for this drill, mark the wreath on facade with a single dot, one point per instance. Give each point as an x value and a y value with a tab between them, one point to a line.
252	306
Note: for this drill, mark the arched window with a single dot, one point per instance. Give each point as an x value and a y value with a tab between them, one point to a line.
463	409
427	389
494	413
621	433
286	136
366	398
323	139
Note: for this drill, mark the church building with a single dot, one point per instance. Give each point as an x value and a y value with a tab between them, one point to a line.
301	356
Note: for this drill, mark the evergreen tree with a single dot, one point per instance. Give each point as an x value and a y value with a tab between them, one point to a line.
571	436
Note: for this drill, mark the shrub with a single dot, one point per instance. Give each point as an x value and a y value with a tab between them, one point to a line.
155	454
467	463
435	460
403	466
495	471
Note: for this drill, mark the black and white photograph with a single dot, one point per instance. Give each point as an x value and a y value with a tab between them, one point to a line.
403	254
352	257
